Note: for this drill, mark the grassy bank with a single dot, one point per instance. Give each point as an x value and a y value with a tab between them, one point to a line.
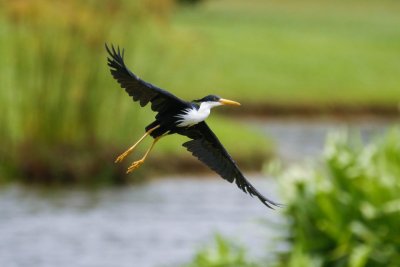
290	52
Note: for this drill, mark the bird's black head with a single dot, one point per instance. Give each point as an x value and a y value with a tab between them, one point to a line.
214	101
209	98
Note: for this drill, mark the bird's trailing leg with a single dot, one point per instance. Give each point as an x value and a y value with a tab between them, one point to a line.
136	164
127	152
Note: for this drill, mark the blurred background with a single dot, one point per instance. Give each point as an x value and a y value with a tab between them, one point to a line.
318	130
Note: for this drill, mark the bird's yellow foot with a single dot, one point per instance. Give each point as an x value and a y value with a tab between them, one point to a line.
135	165
121	157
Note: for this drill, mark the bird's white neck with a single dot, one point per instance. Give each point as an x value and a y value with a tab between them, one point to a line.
193	116
207	106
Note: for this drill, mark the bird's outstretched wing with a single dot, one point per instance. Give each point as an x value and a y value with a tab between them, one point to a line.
139	90
208	149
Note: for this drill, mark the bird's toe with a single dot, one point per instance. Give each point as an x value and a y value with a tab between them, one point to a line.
120	158
135	165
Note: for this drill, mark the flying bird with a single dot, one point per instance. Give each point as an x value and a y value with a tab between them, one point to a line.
176	116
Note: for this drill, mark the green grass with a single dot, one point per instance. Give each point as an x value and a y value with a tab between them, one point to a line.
285	52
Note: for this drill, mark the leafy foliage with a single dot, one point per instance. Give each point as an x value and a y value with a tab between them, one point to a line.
224	254
347	212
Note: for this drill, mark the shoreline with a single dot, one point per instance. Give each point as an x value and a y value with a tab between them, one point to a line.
97	165
306	111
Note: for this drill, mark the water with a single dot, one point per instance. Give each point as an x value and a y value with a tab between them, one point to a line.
162	223
298	139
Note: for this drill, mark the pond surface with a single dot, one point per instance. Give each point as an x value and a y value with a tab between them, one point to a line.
162	223
297	139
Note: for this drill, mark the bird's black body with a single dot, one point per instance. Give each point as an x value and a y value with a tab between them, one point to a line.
204	144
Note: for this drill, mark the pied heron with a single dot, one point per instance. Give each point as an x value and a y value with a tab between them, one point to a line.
175	115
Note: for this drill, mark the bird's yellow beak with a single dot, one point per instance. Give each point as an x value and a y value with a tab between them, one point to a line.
228	102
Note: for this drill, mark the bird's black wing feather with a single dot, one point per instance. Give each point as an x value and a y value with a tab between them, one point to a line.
139	90
208	149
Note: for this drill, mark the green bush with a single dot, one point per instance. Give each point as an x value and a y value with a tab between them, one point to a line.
224	254
346	211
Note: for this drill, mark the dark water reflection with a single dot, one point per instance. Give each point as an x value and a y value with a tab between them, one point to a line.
162	223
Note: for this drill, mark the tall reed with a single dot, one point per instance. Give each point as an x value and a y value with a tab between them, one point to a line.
56	91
